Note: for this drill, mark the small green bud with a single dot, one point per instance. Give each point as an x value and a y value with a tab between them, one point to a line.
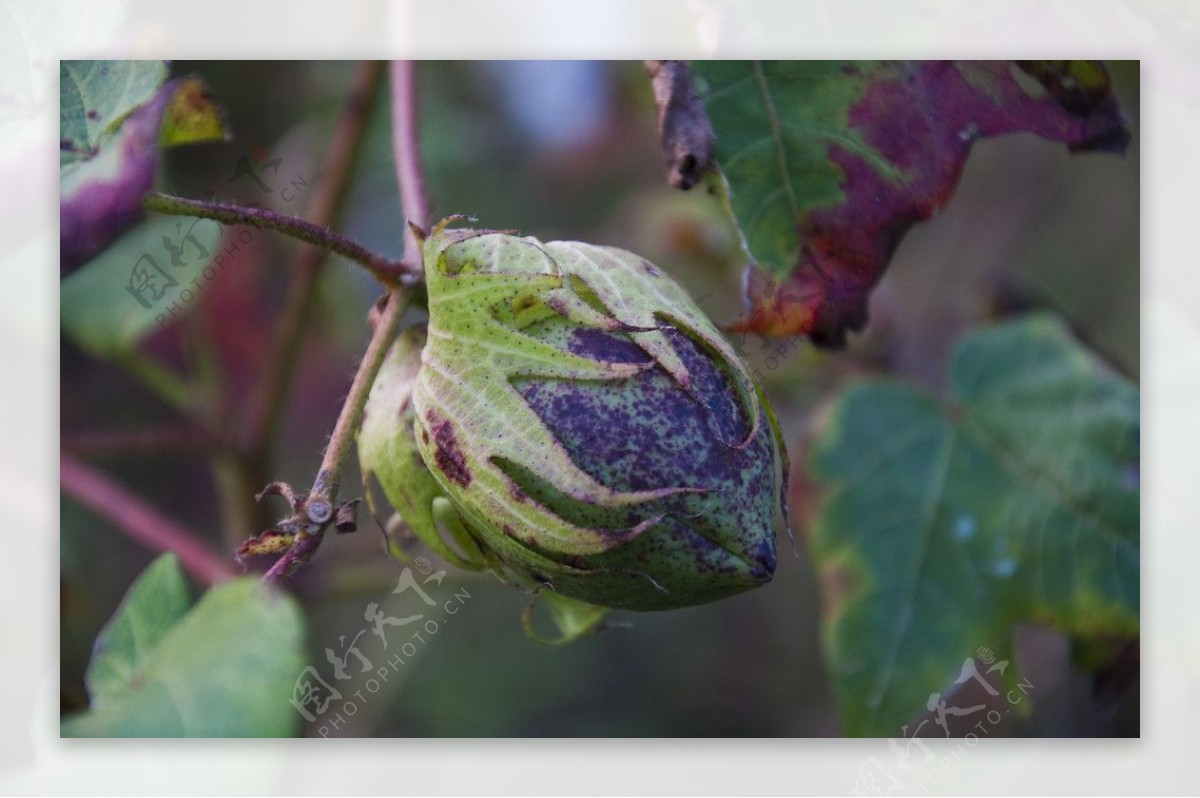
591	429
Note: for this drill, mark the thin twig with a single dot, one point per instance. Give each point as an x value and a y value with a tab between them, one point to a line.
314	513
312	525
266	402
140	521
174	439
341	440
388	272
406	147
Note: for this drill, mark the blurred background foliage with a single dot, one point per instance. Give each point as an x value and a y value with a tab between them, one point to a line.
569	150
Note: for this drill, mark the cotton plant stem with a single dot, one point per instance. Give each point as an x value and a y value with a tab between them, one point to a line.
387	271
406	147
245	469
341	441
405	142
267	399
139	521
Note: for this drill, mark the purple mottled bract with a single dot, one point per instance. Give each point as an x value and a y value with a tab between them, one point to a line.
647	432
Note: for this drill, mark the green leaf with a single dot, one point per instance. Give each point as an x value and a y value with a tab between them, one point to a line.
155	603
100	305
941	525
829	163
226	668
95	96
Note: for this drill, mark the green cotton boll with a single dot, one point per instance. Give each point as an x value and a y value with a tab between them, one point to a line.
387	450
592	429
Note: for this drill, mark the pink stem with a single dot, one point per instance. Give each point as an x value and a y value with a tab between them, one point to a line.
139	521
406	147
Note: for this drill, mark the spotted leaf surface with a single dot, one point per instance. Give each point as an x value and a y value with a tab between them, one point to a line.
96	96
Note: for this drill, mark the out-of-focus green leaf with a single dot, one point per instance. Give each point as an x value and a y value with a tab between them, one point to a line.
829	163
941	525
95	96
128	290
225	669
155	603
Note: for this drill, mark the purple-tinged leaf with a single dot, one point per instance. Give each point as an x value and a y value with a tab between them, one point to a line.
830	163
